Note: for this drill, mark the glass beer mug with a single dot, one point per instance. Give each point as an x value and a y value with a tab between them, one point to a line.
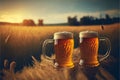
63	48
89	45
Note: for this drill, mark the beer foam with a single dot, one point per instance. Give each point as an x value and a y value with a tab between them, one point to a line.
88	34
63	35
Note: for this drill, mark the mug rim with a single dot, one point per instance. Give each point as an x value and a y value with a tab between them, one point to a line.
63	35
88	34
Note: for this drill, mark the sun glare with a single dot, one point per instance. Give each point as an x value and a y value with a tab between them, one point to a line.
14	18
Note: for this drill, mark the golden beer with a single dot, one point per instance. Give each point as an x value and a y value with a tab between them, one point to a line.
63	45
89	44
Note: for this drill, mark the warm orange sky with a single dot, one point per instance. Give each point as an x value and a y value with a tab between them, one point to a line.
55	11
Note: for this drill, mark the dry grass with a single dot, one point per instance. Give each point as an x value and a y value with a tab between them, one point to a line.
19	43
45	70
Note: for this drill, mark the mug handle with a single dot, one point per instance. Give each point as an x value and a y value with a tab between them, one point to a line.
48	41
108	43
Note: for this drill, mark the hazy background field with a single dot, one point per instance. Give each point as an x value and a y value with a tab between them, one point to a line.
19	43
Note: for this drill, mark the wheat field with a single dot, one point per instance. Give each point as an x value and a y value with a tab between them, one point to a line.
19	43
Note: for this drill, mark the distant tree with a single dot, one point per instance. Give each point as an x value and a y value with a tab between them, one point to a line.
28	22
73	21
107	16
116	20
40	22
69	20
108	19
87	20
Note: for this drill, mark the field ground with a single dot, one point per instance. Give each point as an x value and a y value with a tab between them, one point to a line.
19	43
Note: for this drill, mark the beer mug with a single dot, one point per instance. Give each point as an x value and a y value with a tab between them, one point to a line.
89	45
63	48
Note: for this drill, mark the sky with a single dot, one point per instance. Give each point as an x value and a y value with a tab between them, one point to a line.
56	11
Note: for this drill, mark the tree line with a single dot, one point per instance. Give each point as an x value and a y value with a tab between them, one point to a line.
30	22
25	22
90	20
72	21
